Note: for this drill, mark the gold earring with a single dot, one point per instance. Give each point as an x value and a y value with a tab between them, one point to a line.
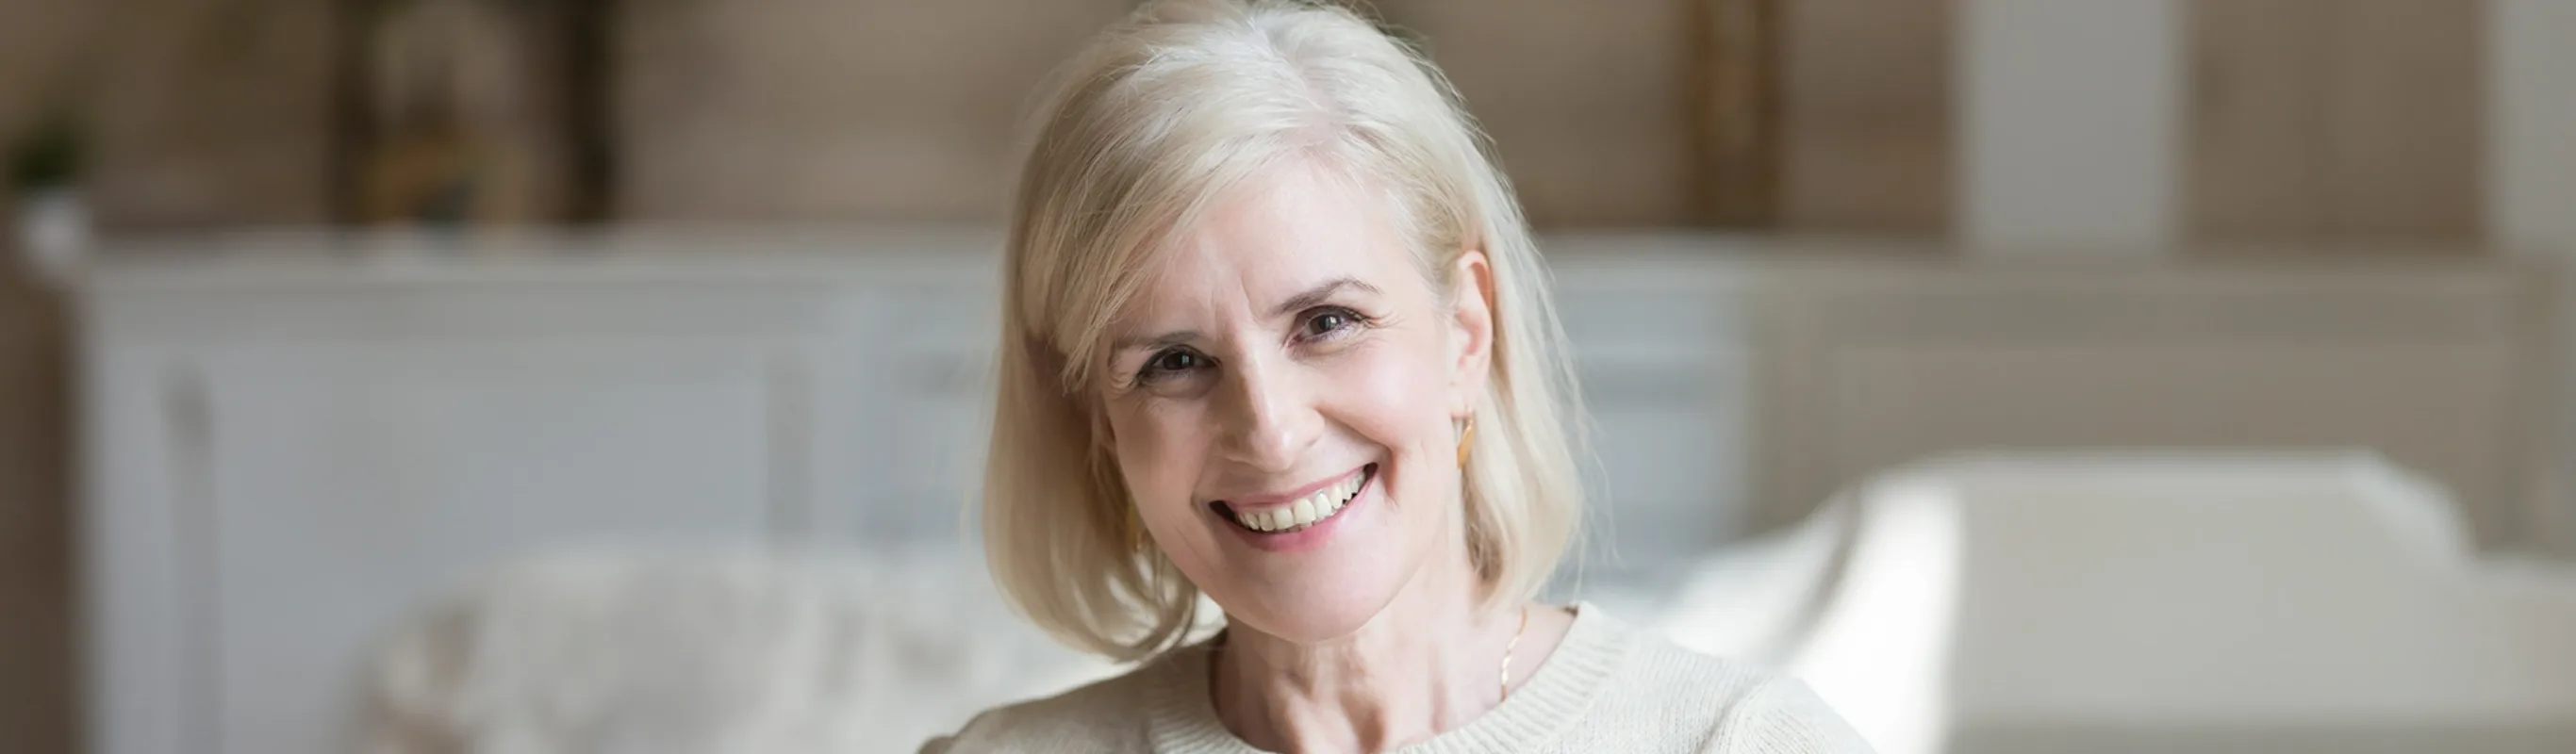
1137	538
1466	441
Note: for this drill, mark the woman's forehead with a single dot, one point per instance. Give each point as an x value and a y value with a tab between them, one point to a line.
1274	236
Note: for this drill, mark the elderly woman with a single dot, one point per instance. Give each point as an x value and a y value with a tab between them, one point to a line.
1275	335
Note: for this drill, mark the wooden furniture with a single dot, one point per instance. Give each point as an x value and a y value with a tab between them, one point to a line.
38	705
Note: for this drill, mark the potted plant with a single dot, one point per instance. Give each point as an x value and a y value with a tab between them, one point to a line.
44	174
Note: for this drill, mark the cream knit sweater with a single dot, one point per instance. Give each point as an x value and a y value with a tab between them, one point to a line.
1609	687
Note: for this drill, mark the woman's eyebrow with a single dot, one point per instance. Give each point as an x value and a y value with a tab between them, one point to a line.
1318	295
1157	342
1312	296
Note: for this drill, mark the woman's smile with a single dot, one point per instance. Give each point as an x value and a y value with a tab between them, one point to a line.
1298	521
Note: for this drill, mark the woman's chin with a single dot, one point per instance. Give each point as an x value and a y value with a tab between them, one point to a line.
1326	590
1311	618
1322	600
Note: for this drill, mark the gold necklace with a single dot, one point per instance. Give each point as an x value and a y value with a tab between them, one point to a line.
1506	683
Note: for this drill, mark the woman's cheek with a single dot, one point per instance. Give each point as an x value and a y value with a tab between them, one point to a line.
1391	395
1152	454
1392	385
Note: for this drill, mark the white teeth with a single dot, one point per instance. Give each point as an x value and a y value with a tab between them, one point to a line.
1306	511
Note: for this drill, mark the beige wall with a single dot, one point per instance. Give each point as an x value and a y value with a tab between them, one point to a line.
820	110
1589	104
40	42
213	113
1865	116
2337	121
199	113
806	110
2309	120
801	110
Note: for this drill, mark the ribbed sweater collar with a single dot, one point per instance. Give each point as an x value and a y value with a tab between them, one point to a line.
1181	715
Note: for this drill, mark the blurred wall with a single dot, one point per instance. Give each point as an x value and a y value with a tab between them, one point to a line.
1865	116
799	110
2531	162
2304	121
199	113
2314	124
1589	104
212	113
805	110
796	110
39	40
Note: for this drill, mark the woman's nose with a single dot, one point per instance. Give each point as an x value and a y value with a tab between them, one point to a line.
1271	419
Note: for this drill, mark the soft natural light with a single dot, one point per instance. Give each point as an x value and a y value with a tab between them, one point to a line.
1880	652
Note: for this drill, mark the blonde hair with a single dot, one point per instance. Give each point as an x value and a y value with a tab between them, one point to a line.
1139	135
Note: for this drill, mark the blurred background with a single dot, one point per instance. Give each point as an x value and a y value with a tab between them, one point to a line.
606	375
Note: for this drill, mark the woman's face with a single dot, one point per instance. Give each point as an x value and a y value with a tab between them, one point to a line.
1280	397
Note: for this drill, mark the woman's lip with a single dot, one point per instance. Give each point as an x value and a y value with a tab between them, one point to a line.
1313	536
1234	516
1257	502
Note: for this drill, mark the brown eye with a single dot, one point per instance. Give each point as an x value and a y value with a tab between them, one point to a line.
1171	363
1329	322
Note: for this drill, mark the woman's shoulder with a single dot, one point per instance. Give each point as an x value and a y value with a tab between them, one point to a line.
1104	716
1648	677
1740	707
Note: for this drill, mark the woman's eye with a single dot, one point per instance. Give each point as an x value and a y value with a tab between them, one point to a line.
1170	363
1329	322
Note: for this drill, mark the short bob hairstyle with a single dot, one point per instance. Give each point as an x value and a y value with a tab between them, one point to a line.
1139	136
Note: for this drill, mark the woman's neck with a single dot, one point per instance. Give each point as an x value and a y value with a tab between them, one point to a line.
1428	663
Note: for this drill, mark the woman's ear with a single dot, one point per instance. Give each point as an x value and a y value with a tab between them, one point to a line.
1472	343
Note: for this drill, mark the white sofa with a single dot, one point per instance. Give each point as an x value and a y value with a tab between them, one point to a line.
2152	603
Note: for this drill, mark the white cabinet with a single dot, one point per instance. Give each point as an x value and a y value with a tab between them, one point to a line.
291	451
341	482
